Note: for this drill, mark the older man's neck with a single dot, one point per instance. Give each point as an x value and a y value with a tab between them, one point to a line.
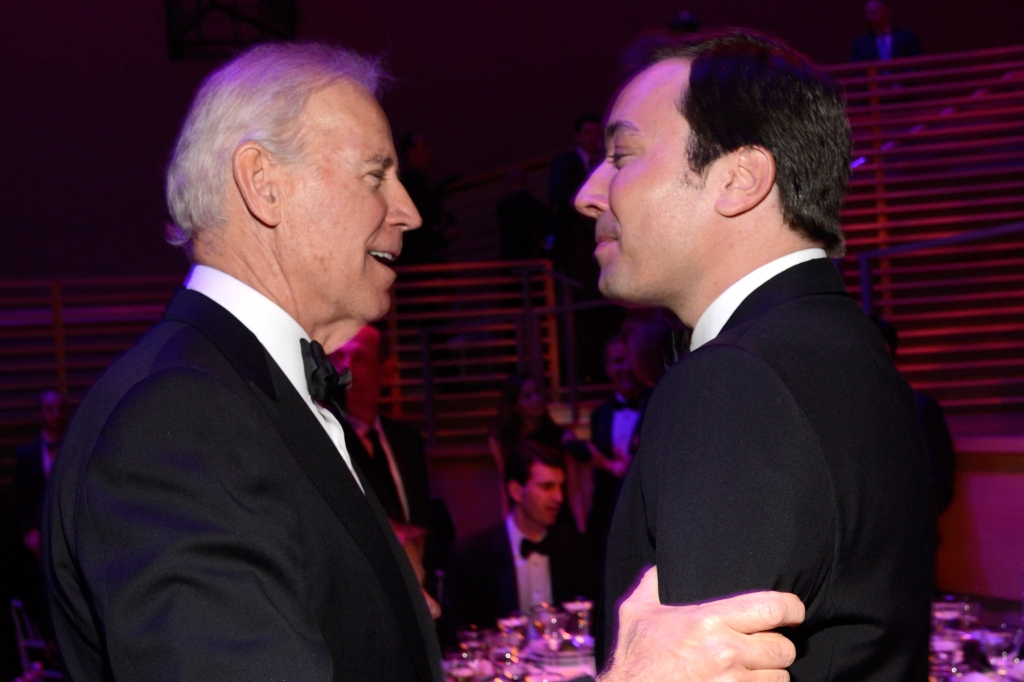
258	269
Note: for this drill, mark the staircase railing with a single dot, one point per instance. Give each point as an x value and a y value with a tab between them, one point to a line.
864	258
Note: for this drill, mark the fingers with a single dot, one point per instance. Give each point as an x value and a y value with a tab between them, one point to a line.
767	651
758	611
768	676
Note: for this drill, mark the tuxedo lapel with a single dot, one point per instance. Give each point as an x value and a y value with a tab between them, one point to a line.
817	276
318	457
508	586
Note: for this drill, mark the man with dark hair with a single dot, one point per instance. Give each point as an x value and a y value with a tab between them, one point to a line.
783	450
884	42
526	558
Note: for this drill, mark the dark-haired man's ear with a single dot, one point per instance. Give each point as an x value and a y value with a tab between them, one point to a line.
255	178
515	491
748	178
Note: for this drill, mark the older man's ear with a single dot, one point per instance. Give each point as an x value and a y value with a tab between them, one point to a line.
257	178
747	176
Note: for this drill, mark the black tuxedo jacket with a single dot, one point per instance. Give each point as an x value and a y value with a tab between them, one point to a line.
607	486
785	455
201	525
407	447
904	44
29	484
480	585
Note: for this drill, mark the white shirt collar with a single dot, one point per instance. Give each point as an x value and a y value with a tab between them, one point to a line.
515	535
275	329
721	309
277	332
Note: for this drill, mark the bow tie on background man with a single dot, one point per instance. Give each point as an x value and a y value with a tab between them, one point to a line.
326	385
528	547
619	404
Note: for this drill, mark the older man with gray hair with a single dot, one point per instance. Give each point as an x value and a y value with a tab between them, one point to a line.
205	520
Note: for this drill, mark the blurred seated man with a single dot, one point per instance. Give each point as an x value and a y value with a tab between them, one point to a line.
525	559
33	463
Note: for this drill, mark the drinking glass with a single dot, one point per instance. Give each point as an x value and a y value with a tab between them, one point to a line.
998	648
579	625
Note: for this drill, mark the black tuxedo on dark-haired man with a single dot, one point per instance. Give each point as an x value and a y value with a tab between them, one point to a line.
480	585
784	453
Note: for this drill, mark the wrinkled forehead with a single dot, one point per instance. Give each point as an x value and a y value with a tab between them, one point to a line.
347	110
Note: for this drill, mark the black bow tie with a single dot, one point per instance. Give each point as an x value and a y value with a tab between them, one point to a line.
627	405
528	547
326	384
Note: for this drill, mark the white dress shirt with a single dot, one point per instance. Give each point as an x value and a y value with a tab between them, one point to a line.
533	575
277	332
721	309
624	421
363	430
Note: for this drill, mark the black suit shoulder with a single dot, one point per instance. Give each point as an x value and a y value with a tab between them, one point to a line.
784	454
187	539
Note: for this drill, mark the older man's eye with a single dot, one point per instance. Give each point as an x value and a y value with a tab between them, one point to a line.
377	177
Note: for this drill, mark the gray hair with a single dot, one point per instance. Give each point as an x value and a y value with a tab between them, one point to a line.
257	97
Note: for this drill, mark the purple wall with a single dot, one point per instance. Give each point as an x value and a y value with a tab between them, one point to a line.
91	104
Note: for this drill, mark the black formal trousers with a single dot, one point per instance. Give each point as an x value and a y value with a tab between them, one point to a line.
785	455
201	525
481	586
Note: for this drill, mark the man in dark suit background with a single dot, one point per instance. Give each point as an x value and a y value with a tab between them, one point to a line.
615	431
392	457
574	243
389	453
884	42
782	452
33	464
205	519
526	558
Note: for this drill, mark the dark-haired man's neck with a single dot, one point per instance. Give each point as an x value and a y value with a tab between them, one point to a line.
527	526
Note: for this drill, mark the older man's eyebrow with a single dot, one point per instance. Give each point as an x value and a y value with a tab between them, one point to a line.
384	160
615	127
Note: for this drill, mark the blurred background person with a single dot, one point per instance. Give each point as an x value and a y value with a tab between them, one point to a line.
523	416
391	456
938	442
524	222
883	41
615	432
426	244
526	558
33	463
